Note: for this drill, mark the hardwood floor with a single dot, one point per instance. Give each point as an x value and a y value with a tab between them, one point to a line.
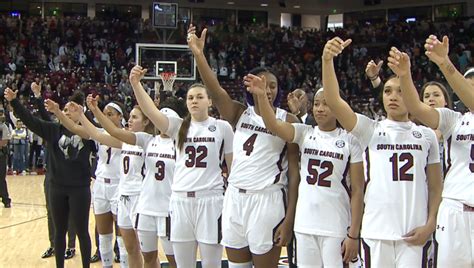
24	227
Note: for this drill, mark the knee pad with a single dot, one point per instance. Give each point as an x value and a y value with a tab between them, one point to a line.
123	252
211	255
166	245
105	247
240	265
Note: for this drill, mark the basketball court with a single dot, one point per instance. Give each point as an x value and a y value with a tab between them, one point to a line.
24	227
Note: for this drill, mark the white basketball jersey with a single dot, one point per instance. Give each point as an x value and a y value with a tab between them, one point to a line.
260	158
198	163
108	163
154	198
458	133
131	170
323	206
396	155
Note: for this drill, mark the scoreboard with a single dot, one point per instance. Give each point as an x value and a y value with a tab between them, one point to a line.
165	15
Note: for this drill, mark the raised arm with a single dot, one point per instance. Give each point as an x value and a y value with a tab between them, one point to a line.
146	103
95	134
343	112
42	128
438	52
77	129
256	85
372	72
36	88
229	109
399	63
118	133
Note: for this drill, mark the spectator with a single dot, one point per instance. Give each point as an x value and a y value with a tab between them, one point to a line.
20	142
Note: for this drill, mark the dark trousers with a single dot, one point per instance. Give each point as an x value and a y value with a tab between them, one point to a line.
3	182
35	151
71	232
73	202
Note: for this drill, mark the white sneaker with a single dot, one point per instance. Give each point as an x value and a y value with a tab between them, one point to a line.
14	172
23	173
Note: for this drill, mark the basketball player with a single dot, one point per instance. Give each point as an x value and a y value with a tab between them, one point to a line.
202	142
454	231
131	166
329	209
403	174
69	168
256	221
155	193
105	191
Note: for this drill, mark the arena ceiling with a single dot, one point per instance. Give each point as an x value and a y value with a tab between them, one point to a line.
311	6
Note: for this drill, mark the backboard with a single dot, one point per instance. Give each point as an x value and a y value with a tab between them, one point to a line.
158	58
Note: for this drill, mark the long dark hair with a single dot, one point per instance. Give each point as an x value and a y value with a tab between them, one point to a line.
183	129
259	71
447	98
149	128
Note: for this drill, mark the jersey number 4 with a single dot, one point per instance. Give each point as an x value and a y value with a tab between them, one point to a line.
248	144
314	176
400	174
196	156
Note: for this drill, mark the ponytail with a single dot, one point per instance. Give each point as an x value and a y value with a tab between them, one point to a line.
183	131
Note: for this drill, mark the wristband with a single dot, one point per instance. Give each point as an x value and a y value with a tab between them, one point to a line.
373	78
353	238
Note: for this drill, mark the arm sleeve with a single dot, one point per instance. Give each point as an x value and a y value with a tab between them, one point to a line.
142	139
228	137
174	124
300	133
447	121
433	151
44	129
363	130
356	150
42	111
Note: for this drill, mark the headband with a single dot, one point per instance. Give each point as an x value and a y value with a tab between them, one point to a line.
115	106
470	71
169	112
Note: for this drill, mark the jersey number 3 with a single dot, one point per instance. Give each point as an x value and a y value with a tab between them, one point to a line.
314	176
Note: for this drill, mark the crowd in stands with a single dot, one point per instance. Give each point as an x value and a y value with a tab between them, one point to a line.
95	56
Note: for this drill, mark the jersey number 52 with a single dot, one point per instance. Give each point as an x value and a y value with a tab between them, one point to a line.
314	176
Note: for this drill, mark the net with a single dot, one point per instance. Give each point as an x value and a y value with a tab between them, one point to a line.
168	80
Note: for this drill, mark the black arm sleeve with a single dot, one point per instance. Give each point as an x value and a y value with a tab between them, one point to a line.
378	90
43	128
42	111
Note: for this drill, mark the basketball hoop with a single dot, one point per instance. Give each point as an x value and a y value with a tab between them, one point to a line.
168	80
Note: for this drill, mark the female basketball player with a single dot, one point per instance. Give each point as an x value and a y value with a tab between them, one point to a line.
329	209
151	208
69	168
455	218
403	174
198	186
131	166
256	222
105	191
